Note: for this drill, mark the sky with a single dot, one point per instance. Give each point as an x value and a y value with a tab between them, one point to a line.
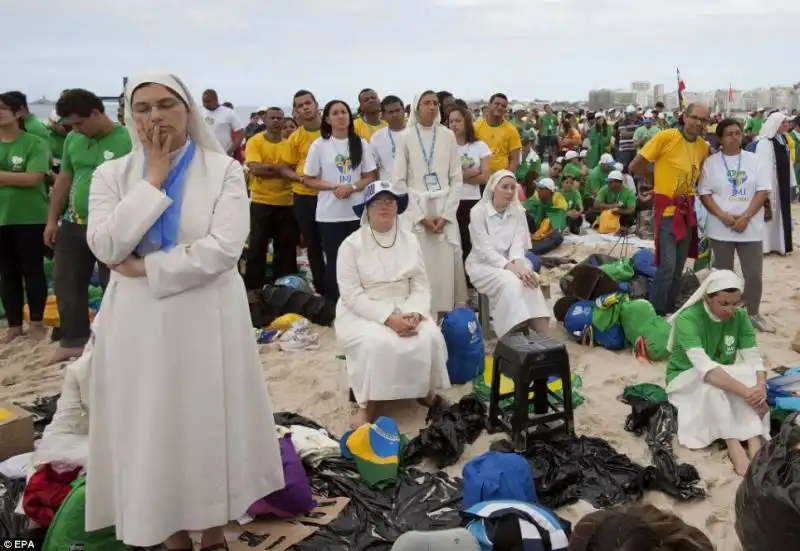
259	52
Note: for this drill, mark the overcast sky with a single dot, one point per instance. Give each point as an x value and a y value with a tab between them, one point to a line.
258	52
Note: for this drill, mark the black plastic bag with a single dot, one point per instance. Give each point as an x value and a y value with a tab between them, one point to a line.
768	499
659	422
274	301
12	525
446	432
43	410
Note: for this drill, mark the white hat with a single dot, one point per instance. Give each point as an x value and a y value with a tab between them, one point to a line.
615	175
618	167
262	109
560	160
517	107
584	153
570	155
377	187
662	116
630	110
607	159
546	183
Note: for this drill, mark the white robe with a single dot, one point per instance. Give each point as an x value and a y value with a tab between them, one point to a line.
773	230
181	432
707	413
442	251
496	241
374	283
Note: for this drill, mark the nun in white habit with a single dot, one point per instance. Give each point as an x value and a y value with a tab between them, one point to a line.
393	346
428	165
776	167
181	435
715	375
497	265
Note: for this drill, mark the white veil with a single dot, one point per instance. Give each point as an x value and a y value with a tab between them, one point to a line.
412	117
199	131
771	125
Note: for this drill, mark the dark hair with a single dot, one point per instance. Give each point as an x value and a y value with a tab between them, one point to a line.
469	129
13	102
659	105
20	97
290	119
354	140
443	95
461	103
725	123
389	100
79	102
300	93
275	108
364	91
498	95
227	104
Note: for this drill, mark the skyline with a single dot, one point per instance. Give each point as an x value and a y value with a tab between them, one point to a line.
471	48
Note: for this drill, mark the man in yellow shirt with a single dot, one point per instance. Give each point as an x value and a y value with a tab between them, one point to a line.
271	216
678	155
500	135
369	107
305	199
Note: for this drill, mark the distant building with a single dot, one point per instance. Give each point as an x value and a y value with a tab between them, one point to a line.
658	93
640	86
600	99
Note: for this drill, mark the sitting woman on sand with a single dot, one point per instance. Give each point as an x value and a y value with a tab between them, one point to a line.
715	376
181	435
636	528
497	265
383	318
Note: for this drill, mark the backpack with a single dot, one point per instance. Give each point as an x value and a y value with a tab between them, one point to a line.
464	339
497	476
67	532
517	525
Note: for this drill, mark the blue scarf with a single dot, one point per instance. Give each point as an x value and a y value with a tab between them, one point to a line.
163	234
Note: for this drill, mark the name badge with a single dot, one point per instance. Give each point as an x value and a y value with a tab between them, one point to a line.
432	182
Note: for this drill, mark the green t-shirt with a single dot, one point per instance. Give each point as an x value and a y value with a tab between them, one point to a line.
573	199
597	179
644	133
56	142
24	205
754	125
531	164
721	340
36	127
548	125
575	170
625	196
82	155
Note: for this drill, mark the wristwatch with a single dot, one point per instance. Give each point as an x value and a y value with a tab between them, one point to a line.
355	188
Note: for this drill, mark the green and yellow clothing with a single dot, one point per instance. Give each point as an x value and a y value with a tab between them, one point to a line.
548	125
754	125
600	142
267	191
295	153
625	197
554	210
646	134
24	205
366	130
574	169
82	155
531	163
596	181
573	199
501	139
721	340
36	127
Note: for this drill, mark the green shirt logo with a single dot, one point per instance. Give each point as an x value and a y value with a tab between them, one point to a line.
108	155
17	164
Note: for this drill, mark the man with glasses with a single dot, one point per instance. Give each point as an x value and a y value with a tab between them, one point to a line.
678	156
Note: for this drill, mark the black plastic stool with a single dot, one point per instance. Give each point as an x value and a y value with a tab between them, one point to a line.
529	360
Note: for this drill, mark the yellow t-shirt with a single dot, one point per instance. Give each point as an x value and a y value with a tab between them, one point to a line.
677	163
501	139
367	130
295	152
267	191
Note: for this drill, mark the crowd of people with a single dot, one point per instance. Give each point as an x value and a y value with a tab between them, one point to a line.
406	211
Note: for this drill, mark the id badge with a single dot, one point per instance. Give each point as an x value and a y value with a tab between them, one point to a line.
432	182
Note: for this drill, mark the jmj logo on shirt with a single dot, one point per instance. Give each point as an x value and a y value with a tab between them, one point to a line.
345	167
730	345
737	180
17	164
467	161
108	155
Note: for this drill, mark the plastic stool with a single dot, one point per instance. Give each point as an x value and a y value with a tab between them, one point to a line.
530	361
485	317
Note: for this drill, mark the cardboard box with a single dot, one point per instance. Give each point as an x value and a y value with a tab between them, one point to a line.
272	535
327	510
16	431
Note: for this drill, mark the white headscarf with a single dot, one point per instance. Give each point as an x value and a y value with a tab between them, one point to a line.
412	117
199	131
515	208
771	125
718	280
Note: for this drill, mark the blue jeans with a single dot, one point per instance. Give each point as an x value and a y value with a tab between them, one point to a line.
672	256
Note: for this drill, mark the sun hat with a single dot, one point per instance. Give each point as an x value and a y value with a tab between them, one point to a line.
376	188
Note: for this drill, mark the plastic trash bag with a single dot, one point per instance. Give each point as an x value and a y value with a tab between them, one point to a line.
12	525
446	432
768	499
274	301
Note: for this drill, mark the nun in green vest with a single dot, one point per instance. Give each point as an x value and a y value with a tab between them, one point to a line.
715	375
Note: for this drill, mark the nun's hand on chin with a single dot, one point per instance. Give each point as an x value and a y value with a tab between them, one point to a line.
133	266
156	147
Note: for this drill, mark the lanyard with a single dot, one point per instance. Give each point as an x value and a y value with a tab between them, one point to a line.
735	180
391	139
428	158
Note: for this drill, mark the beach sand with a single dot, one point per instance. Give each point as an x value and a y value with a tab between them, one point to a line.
314	384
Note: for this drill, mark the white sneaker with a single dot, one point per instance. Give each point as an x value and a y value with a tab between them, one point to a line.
761	324
298	337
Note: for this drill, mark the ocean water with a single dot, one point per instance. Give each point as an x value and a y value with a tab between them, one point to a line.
44	111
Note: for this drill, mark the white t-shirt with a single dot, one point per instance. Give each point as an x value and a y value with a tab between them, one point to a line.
471	155
223	123
732	198
329	160
383	145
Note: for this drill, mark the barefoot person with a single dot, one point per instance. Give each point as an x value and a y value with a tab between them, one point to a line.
715	376
383	318
24	163
171	220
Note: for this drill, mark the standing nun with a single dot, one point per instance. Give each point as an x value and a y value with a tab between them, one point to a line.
428	165
181	435
774	162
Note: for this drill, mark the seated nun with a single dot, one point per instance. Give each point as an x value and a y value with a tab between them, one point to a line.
393	346
497	265
715	376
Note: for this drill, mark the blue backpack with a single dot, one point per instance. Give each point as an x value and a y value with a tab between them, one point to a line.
497	476
578	317
464	340
644	262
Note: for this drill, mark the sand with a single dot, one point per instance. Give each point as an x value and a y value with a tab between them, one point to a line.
314	383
